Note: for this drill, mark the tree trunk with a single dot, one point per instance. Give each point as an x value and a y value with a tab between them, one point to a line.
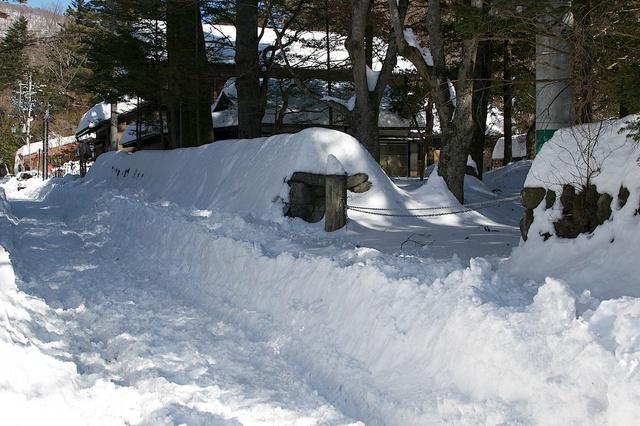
189	105
365	125
508	106
456	124
250	109
438	79
430	121
481	85
113	127
364	116
531	140
455	150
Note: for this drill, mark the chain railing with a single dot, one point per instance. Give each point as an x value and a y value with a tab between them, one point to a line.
458	209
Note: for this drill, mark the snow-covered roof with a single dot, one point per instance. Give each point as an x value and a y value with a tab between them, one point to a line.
129	135
300	109
518	147
101	112
54	142
305	49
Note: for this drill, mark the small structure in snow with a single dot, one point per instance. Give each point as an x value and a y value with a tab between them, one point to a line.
308	193
518	148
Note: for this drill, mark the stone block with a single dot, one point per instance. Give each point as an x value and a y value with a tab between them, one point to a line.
532	197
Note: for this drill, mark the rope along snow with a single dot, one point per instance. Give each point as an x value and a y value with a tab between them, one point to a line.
466	208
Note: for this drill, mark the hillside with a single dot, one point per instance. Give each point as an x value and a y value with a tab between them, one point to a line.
42	23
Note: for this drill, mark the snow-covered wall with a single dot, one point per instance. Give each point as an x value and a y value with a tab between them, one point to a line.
601	156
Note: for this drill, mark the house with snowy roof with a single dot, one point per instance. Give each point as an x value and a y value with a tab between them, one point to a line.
95	126
59	151
288	110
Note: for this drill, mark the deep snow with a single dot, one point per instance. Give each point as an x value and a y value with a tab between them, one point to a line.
168	288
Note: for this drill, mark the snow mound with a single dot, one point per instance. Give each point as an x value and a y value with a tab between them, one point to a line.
237	176
601	154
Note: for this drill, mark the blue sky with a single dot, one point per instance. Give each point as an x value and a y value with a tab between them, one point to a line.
50	4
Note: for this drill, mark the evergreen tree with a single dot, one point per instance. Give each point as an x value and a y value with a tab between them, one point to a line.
14	62
14	67
154	50
9	141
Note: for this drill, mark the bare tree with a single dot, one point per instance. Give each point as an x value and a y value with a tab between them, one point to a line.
369	86
454	99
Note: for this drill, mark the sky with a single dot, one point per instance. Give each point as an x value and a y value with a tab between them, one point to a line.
168	287
50	4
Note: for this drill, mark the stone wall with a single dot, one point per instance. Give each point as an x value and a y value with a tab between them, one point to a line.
307	194
582	212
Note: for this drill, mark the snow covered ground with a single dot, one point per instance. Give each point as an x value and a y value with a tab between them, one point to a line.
168	288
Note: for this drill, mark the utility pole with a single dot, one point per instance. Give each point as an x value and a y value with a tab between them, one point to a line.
554	89
45	145
25	105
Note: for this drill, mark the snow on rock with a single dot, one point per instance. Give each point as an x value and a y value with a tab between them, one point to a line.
334	167
602	154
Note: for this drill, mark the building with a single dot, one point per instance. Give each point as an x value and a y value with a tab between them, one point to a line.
403	141
60	150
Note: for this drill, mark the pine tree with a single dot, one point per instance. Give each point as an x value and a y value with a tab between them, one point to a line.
154	50
14	62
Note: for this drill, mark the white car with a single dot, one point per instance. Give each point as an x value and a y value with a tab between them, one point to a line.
22	177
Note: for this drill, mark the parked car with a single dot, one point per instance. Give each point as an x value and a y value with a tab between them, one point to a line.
22	177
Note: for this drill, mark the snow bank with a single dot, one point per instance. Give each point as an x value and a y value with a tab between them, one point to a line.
241	176
396	340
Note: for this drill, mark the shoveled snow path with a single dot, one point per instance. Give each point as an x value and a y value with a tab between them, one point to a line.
171	360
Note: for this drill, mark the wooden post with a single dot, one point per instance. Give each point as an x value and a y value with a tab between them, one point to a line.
335	215
113	127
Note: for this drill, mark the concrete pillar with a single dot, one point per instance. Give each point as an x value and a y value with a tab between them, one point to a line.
554	89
